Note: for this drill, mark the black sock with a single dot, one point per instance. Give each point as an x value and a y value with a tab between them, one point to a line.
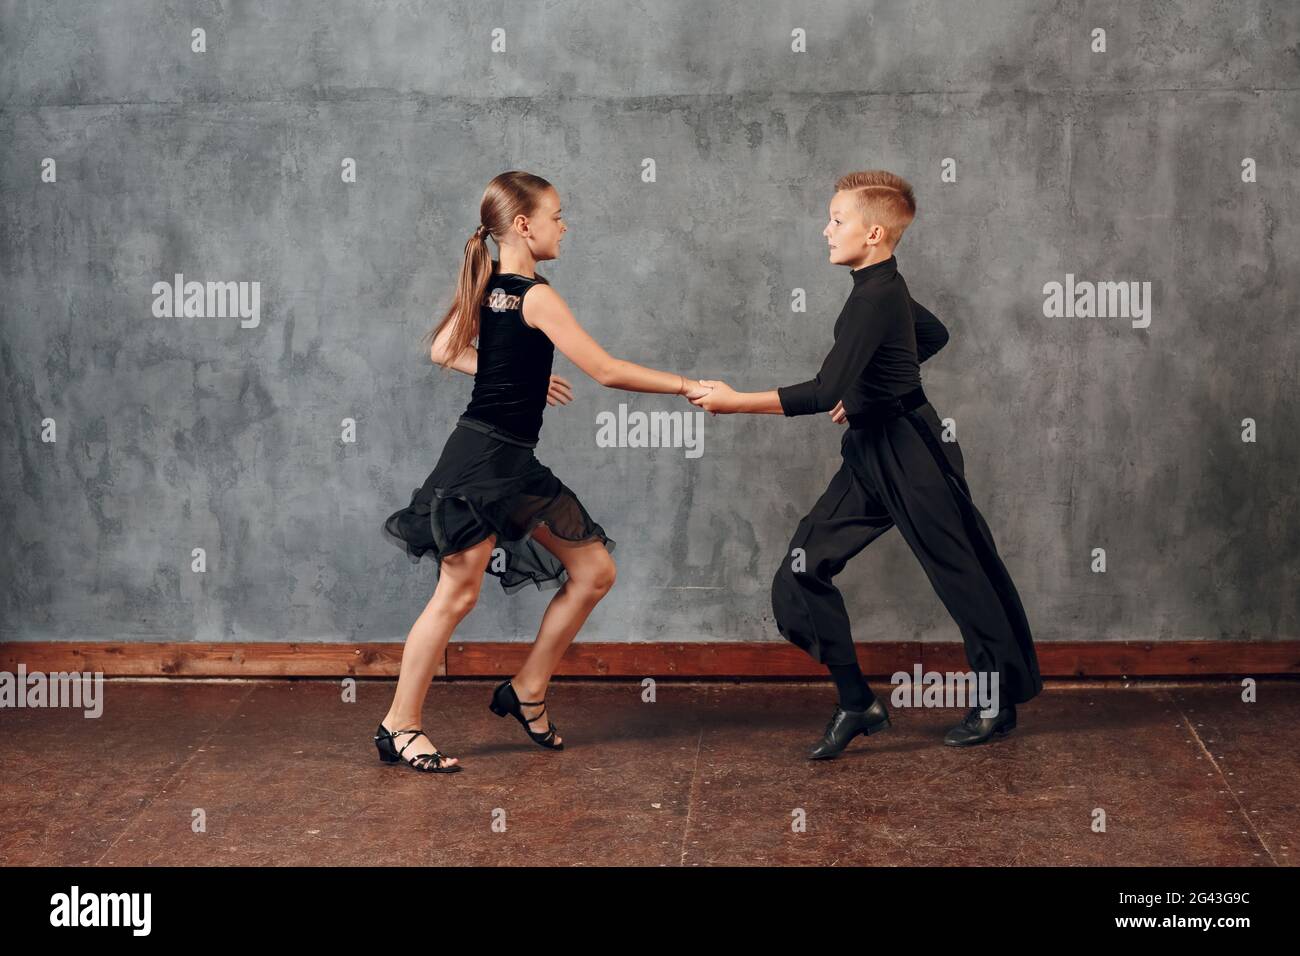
854	692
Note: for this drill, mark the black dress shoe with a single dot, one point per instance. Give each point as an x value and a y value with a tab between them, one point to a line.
847	724
975	729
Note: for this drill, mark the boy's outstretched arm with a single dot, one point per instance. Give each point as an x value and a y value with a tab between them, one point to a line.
860	334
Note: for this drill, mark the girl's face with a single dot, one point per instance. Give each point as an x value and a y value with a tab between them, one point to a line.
545	228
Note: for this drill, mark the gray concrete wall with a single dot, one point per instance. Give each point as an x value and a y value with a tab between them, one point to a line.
1078	433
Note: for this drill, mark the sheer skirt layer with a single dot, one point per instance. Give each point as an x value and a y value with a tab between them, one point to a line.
483	487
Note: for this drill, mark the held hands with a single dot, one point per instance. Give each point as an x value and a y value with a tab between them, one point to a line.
721	398
718	397
560	391
694	389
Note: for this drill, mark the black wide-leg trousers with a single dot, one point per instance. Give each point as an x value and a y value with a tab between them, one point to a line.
900	472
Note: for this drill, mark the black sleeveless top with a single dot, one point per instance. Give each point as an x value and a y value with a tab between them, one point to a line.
514	363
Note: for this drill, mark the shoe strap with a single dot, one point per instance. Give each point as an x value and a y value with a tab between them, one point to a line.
436	757
550	727
388	734
415	735
547	734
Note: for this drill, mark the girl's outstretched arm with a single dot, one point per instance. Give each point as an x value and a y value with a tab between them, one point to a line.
544	309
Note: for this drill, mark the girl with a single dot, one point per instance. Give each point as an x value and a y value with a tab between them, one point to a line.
488	491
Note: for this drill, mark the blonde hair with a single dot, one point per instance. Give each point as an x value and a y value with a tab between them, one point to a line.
511	194
883	198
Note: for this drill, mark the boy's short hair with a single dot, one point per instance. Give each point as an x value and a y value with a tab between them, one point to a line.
884	198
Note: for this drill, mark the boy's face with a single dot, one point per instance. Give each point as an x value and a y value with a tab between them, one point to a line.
850	237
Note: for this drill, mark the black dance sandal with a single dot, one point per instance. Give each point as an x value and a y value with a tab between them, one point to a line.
426	763
506	701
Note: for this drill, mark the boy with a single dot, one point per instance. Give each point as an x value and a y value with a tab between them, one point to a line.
896	471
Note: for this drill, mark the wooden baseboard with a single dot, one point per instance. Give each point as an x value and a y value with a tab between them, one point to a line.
1066	659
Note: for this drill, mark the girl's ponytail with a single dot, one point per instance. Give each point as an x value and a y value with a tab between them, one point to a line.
508	195
475	271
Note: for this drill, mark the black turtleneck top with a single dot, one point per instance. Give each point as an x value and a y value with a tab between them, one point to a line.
881	338
514	361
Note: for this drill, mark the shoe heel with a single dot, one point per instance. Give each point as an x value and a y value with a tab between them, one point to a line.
386	753
883	725
494	703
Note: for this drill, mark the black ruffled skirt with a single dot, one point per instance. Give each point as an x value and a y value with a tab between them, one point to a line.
486	483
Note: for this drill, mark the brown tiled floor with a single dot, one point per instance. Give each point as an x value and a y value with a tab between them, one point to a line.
711	773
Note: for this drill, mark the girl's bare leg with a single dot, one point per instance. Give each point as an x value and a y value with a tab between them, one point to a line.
591	574
459	581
